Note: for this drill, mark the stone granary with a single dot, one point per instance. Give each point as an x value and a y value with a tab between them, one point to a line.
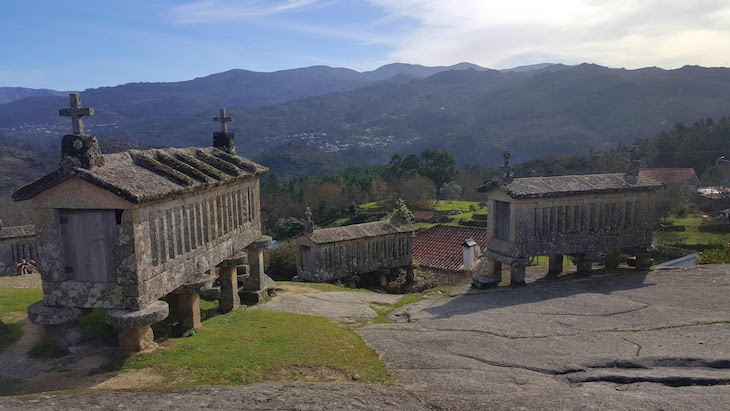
121	231
346	253
578	215
16	245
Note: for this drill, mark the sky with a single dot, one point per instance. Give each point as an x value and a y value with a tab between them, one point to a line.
75	45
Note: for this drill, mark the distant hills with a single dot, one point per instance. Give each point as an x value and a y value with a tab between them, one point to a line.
9	94
473	111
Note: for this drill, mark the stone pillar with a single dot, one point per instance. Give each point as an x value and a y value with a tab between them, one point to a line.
556	265
134	327
229	289
494	270
258	284
583	264
517	275
60	325
613	257
643	259
186	307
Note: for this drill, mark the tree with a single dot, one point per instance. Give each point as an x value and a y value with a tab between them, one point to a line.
401	214
450	191
438	166
417	190
286	228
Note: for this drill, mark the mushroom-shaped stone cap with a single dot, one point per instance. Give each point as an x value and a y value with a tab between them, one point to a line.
195	286
261	242
41	314
153	313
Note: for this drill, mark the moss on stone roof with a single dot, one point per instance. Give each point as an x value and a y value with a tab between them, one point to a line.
141	176
357	231
560	186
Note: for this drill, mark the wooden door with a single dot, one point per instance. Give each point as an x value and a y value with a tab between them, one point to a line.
306	253
88	245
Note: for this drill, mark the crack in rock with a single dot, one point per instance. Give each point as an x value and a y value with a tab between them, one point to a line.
454	330
590	315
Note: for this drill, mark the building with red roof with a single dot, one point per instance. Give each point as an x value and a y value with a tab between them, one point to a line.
445	251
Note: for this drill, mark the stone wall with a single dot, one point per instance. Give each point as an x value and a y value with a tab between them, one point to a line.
576	224
332	261
159	246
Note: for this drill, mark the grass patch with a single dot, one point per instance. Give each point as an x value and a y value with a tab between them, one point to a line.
14	304
14	301
248	346
690	236
457	205
384	310
94	326
320	286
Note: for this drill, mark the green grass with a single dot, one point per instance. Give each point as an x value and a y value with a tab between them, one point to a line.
456	205
321	286
14	304
369	206
247	346
691	235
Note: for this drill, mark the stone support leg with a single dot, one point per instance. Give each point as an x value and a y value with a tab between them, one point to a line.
136	339
613	258
60	325
134	327
187	308
583	264
494	270
517	275
258	285
643	259
229	289
556	265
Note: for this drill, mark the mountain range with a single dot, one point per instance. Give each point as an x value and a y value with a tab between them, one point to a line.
473	111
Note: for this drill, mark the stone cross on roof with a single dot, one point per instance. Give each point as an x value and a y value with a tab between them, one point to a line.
308	223
75	111
223	120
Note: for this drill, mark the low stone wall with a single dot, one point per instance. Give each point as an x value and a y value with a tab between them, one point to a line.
444	277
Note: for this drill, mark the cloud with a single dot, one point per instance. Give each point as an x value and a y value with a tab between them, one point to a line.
212	11
618	33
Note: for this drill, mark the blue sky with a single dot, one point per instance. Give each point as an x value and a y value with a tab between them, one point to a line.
82	44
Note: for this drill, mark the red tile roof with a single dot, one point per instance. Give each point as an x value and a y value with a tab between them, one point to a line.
667	175
440	246
423	215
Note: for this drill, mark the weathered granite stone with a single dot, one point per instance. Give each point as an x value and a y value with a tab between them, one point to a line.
644	260
517	275
187	308
196	286
122	319
483	281
210	293
261	242
63	335
40	314
556	265
229	289
81	151
613	258
249	297
494	269
235	260
583	264
137	339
